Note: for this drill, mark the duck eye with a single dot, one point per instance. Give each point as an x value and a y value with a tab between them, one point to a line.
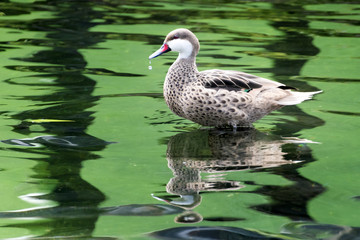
176	36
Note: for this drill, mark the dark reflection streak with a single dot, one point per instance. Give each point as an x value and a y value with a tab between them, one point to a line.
291	201
152	95
344	113
90	212
212	233
67	32
57	70
295	41
95	98
319	79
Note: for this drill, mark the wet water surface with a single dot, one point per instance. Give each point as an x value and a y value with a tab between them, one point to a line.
89	148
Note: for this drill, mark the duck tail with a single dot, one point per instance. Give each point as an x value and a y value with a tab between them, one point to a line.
296	98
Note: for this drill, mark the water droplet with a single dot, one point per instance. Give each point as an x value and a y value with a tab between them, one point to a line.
150	67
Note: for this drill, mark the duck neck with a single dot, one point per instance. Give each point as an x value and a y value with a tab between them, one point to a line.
181	73
184	67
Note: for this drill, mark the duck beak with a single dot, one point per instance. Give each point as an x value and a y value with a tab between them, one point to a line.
164	48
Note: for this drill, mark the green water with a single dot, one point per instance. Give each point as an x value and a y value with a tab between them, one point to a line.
90	150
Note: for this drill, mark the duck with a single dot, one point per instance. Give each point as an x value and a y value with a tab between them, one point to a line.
219	98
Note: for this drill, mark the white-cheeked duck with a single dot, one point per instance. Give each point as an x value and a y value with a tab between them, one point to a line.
218	98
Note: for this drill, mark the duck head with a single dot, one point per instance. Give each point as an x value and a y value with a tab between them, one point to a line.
180	40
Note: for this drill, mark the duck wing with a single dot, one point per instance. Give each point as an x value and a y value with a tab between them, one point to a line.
231	80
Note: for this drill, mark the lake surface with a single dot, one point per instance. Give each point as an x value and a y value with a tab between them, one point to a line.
89	149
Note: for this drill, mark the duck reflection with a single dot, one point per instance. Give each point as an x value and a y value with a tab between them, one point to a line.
217	152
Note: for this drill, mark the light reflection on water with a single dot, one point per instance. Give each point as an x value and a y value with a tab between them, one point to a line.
58	87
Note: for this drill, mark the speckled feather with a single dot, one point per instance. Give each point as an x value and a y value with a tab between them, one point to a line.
219	98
